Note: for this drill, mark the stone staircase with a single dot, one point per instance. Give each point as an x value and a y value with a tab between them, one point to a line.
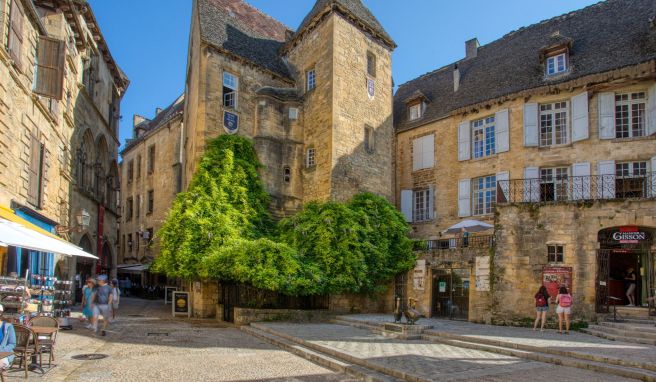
634	325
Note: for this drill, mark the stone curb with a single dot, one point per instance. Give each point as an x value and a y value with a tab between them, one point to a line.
621	335
317	357
627	326
399	375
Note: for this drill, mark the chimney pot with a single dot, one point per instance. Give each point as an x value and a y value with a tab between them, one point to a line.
157	111
471	48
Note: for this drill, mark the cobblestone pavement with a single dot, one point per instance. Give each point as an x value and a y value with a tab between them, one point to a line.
433	361
154	347
577	342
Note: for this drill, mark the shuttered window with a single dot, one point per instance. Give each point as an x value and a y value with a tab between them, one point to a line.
15	40
50	68
36	172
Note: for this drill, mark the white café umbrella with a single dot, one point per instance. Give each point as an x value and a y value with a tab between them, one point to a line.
468	226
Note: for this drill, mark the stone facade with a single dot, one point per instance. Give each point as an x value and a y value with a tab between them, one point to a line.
78	132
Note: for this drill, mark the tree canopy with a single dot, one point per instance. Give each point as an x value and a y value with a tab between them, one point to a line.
221	229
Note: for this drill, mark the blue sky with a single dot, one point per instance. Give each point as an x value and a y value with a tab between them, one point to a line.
149	38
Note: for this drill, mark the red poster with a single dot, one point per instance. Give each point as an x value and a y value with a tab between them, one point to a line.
555	277
99	253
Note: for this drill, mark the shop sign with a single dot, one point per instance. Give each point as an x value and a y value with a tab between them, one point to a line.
230	122
442	286
482	273
629	235
181	304
168	294
555	277
419	274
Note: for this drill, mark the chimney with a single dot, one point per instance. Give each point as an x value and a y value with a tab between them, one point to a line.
456	78
137	119
471	48
157	111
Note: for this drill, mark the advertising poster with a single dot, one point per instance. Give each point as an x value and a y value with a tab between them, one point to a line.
419	275
482	273
555	277
181	304
168	294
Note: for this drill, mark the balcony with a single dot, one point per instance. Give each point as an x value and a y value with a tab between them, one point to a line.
576	188
456	243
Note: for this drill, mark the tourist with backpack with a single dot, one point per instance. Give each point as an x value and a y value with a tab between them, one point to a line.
541	307
564	310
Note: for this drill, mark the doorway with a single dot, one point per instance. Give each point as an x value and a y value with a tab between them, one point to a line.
451	293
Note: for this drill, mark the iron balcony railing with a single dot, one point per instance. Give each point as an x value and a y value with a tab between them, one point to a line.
576	188
481	241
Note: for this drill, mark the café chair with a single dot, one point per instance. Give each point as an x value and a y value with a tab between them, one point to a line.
26	346
46	341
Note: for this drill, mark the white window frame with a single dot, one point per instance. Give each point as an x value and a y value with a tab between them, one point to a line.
630	103
551	113
293	113
558	249
415	111
633	169
231	82
559	177
479	194
488	143
310	79
310	157
421	205
556	64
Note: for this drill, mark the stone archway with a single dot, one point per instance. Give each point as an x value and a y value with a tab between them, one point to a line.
106	261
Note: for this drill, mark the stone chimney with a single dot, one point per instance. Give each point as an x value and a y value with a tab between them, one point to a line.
137	119
456	78
471	48
157	111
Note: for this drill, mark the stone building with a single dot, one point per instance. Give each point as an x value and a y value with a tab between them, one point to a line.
151	176
60	91
549	134
317	102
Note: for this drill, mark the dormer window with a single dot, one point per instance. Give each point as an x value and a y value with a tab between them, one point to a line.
415	111
556	64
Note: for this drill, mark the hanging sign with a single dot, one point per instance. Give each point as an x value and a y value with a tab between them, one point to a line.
230	122
629	235
181	304
555	277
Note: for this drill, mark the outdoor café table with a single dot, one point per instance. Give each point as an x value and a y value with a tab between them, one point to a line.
4	355
40	330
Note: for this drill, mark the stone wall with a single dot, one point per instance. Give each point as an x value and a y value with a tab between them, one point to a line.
244	316
204	299
382	302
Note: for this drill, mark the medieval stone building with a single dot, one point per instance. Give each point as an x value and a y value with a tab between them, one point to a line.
60	91
549	134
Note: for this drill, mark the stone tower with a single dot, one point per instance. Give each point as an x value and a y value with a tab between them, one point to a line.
340	58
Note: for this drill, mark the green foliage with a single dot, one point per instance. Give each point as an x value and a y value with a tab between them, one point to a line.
220	229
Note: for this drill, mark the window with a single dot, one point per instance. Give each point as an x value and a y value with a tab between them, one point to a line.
15	40
130	171
151	201
371	64
369	139
49	73
151	159
148	236
554	183
90	73
130	243
137	238
483	137
553	124
124	245
310	158
36	172
423	152
138	206
484	195
415	111
630	115
293	113
421	210
230	88
286	174
128	209
139	166
555	253
556	64
310	79
631	180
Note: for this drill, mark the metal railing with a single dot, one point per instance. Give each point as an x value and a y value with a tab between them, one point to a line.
576	188
481	241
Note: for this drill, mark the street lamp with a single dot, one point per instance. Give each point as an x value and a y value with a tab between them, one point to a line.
82	220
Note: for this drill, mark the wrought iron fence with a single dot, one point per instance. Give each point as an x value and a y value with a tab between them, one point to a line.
576	188
481	241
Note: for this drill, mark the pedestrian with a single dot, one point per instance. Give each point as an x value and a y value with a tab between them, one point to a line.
116	296
103	303
630	280
7	341
541	307
128	286
564	310
88	292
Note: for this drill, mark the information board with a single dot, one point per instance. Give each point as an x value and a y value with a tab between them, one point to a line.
181	305
168	294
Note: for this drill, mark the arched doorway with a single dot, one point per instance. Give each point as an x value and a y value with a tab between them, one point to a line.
106	259
622	250
83	267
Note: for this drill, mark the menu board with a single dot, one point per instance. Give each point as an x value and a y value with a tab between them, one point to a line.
181	303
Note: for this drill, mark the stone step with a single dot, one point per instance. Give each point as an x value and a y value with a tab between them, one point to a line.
624	320
622	371
603	332
642	328
395	374
632	312
319	358
629	330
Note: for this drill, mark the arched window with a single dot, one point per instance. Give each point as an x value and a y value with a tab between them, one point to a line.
286	174
112	187
100	169
84	162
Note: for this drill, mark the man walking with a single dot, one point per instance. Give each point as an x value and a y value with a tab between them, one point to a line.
103	303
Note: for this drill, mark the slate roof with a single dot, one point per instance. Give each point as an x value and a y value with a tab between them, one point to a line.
356	9
604	36
244	31
150	125
283	94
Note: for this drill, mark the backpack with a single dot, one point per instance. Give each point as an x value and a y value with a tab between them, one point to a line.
565	300
540	300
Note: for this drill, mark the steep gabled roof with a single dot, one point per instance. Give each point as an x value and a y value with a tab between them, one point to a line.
238	28
606	36
151	125
351	8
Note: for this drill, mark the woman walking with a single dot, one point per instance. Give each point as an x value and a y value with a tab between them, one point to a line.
116	294
541	307
87	302
564	310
